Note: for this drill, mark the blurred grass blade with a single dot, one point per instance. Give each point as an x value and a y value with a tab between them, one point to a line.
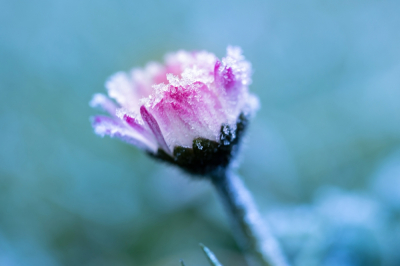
211	257
182	263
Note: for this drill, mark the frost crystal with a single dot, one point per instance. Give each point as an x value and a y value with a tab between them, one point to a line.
187	108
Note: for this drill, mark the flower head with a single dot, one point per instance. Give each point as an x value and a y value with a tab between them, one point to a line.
190	111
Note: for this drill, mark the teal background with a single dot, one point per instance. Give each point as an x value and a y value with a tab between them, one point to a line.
322	157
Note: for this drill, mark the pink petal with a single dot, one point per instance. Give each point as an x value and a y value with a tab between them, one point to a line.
189	112
132	122
196	104
224	76
154	127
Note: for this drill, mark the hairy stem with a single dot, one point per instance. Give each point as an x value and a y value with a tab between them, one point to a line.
251	231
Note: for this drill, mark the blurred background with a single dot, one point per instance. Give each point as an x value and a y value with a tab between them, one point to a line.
322	157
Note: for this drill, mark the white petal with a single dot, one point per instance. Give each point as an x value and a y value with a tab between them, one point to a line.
122	89
102	101
104	125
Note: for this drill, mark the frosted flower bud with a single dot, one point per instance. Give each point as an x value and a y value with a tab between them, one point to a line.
190	111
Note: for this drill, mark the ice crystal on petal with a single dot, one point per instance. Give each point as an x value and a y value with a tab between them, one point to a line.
188	106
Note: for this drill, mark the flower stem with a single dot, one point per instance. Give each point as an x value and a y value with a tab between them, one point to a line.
250	230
